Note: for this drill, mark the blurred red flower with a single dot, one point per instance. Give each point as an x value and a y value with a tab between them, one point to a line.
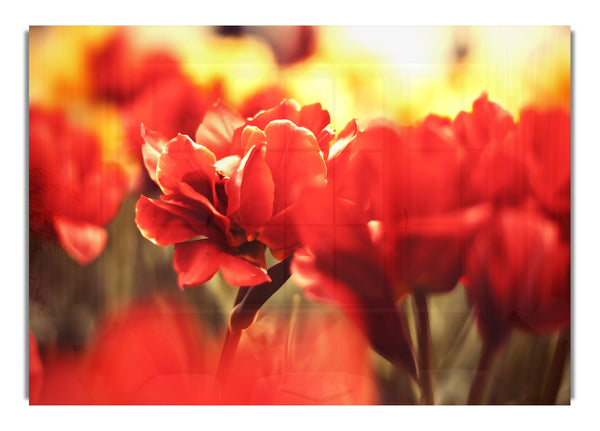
235	186
158	352
546	135
518	274
311	359
149	86
153	352
409	183
72	192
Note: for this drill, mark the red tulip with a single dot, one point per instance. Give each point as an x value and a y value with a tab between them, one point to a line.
409	180
73	194
518	274
547	137
235	186
342	264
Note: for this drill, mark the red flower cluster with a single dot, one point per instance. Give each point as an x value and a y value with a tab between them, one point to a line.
149	86
230	194
373	214
417	208
518	267
72	192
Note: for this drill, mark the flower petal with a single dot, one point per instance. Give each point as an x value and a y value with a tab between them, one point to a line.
166	224
250	190
217	130
184	161
295	160
288	109
280	234
82	241
339	238
197	261
152	147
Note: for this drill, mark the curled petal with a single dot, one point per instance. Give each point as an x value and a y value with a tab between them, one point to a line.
184	161
339	154
197	261
288	109
317	120
166	224
250	190
82	241
217	130
201	207
152	147
487	123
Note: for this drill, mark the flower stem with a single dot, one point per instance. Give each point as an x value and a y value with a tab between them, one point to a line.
424	340
232	340
245	308
555	375
479	383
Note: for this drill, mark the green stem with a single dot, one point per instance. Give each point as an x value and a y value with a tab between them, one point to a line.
424	340
555	375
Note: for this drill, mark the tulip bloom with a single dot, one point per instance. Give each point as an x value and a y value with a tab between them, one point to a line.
228	196
409	182
73	194
518	274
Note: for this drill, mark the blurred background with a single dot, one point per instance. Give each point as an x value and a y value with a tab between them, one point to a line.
106	81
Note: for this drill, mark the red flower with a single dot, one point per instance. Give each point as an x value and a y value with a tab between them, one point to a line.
317	360
493	169
158	352
409	181
546	135
149	86
154	352
235	187
72	192
342	264
518	274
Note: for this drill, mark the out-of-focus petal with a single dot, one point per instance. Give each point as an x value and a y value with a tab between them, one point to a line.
338	237
82	241
287	110
487	124
217	129
295	160
102	193
197	261
546	135
518	274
